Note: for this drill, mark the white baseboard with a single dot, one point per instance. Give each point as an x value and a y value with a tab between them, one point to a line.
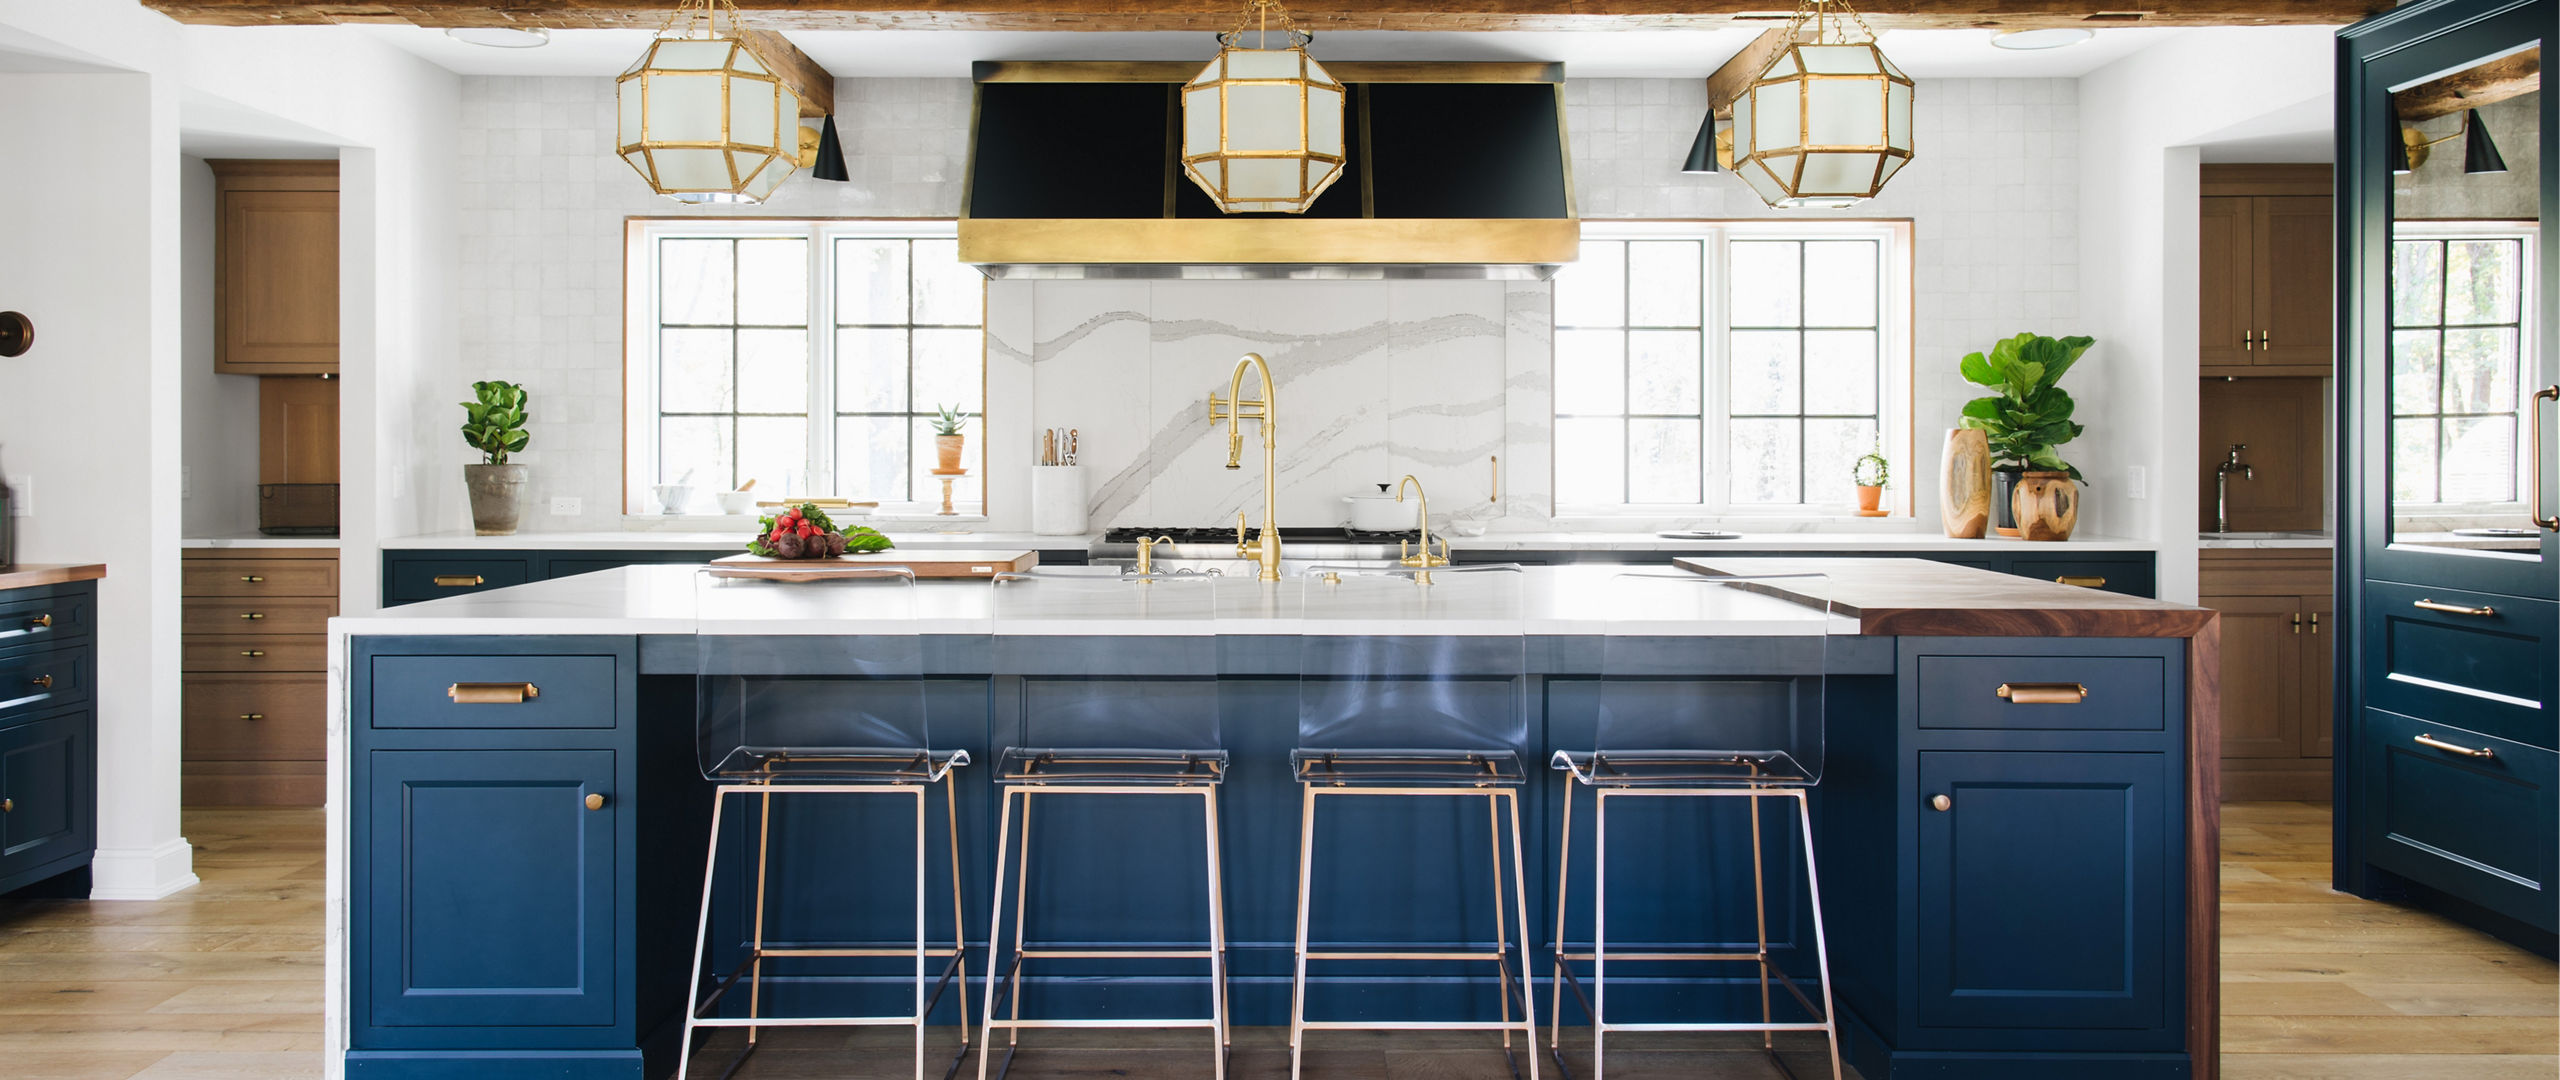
142	873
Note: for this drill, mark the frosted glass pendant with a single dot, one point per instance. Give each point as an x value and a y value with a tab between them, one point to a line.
1262	126
1828	122
702	117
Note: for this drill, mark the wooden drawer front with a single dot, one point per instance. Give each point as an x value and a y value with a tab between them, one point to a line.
568	691
43	681
2132	577
2486	829
34	620
260	577
261	616
2125	693
2490	672
407	580
256	717
278	652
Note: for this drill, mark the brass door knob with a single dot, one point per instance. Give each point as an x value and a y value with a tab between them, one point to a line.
42	682
1941	803
595	802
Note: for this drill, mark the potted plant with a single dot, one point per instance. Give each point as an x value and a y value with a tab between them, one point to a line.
495	427
947	439
1872	474
2024	422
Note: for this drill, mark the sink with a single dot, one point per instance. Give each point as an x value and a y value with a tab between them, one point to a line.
2299	534
1241	569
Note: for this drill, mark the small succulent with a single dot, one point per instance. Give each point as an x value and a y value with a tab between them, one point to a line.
948	419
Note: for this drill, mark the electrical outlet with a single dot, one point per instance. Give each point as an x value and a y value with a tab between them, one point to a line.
22	496
2137	483
567	506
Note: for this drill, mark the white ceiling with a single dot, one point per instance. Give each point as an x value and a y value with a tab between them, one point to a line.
1590	54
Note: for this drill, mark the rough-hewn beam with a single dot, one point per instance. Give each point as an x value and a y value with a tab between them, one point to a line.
2472	88
1319	15
1729	81
816	88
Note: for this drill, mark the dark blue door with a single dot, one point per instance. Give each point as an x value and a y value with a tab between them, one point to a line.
44	792
2044	895
491	902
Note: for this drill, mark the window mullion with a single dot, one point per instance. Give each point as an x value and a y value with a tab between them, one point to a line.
1716	401
819	449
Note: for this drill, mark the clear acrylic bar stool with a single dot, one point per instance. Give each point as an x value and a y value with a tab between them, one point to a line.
1660	735
1417	716
1110	734
860	730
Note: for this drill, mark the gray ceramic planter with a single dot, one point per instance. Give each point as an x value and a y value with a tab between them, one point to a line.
495	504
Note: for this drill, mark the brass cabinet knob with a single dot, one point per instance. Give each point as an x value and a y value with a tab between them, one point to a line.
41	622
8	806
42	682
253	716
253	615
595	802
1941	803
251	579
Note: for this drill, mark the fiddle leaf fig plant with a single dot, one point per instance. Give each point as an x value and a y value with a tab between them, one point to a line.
495	423
2030	415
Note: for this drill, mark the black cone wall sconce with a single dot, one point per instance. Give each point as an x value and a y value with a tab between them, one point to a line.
17	334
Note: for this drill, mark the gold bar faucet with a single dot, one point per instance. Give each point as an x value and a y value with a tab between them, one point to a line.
1233	409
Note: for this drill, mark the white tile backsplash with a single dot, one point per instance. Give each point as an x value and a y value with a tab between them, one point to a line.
1378	378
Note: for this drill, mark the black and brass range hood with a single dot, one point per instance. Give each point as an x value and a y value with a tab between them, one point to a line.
1454	171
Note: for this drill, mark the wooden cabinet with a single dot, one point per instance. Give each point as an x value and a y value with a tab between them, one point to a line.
2265	270
275	284
297	430
2284	422
254	658
2278	629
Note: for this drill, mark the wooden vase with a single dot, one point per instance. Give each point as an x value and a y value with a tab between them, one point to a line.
946	452
1964	486
2047	505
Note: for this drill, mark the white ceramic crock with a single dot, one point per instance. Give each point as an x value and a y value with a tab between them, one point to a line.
1380	513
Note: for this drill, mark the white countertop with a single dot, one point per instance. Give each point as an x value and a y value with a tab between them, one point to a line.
1882	543
722	540
2266	540
253	540
683	600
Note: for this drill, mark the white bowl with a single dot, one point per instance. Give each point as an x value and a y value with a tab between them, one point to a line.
737	502
672	498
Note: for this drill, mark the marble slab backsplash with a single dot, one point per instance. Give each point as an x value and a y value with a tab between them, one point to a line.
1375	380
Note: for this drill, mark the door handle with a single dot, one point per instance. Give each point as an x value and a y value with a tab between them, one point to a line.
2091	581
458	581
251	579
2315	624
2249	340
253	716
595	802
2297	622
253	653
2432	743
1941	803
2483	611
2551	393
489	693
253	615
2055	693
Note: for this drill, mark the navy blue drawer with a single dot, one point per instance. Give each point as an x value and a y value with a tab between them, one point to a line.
2485	828
43	680
407	579
33	617
2124	693
2130	576
493	692
2485	663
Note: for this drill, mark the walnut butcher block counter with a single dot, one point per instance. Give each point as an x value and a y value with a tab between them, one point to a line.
30	575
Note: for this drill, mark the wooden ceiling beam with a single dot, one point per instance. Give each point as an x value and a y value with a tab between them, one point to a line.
2471	88
815	87
1209	16
1727	84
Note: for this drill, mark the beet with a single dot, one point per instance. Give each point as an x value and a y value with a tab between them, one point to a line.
835	544
791	546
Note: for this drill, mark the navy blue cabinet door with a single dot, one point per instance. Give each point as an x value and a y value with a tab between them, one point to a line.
491	901
2044	891
44	776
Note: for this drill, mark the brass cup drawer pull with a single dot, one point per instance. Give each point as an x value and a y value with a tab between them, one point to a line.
595	802
2083	581
2042	693
251	579
253	615
253	716
1941	803
492	693
459	581
2432	743
2484	611
42	682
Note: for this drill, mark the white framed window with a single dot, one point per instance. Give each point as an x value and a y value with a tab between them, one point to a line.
809	356
1730	367
2462	322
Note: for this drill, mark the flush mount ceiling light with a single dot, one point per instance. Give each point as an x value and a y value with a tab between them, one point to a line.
2036	40
701	115
501	37
1828	122
1262	125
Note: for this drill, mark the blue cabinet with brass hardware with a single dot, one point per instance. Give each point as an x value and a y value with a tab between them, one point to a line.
48	739
2448	570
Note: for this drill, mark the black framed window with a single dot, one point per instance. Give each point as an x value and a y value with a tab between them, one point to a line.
2458	331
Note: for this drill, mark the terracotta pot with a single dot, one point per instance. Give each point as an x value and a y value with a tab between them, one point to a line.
1964	484
1870	496
2047	505
495	501
946	451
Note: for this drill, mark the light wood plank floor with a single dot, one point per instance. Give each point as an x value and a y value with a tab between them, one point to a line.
222	981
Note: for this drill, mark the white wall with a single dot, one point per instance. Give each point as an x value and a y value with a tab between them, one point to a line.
218	414
2139	234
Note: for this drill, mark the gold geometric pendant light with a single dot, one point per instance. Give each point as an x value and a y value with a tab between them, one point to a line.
1262	127
702	117
1828	122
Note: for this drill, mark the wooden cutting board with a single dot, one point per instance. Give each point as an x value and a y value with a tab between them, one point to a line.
937	563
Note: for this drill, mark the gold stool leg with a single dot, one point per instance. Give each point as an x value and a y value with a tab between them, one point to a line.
1520	898
755	985
1298	981
1821	945
959	935
1760	918
1501	938
1218	1039
1564	878
1599	930
701	935
920	942
995	929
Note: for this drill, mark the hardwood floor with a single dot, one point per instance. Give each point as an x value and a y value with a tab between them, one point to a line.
223	981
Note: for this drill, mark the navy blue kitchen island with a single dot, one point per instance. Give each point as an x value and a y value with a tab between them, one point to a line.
2011	890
